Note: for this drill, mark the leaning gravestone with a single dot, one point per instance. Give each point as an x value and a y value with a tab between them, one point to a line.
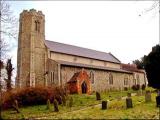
15	106
129	101
55	103
104	105
148	96
98	97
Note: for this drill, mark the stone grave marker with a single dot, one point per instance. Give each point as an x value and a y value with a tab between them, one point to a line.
104	105
148	96
129	102
55	103
98	96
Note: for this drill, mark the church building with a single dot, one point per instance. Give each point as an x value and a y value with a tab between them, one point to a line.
48	63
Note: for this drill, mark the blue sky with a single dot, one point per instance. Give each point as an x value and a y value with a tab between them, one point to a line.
109	26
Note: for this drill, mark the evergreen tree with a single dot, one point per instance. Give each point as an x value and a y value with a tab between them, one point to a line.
152	67
9	69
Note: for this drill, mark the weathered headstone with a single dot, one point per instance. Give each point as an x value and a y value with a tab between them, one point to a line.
48	105
15	106
59	100
55	103
148	96
104	105
129	102
98	96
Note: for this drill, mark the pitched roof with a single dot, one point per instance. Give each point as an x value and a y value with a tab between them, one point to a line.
131	67
79	51
93	67
74	77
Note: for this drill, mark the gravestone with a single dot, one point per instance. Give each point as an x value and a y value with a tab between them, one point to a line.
98	96
59	100
104	105
15	106
55	103
48	105
129	102
148	96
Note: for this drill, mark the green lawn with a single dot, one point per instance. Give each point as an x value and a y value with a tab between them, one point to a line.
116	108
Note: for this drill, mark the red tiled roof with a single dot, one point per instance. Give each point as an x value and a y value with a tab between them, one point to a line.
131	67
74	77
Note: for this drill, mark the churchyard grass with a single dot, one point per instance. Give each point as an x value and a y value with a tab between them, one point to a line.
83	107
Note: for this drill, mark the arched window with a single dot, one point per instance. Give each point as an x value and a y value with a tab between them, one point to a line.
92	77
37	26
134	81
110	79
126	80
137	77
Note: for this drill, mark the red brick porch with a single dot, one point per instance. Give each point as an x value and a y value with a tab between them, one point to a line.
80	83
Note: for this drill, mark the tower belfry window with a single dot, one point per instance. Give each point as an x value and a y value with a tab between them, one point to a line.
37	26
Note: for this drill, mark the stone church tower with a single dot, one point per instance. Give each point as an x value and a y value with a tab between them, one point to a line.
32	51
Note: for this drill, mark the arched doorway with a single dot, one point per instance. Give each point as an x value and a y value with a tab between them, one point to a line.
84	87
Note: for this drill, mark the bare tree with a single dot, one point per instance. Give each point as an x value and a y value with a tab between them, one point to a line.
154	6
8	31
8	28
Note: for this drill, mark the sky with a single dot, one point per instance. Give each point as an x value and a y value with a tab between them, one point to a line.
120	27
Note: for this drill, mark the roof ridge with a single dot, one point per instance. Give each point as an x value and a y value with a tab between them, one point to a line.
80	47
80	51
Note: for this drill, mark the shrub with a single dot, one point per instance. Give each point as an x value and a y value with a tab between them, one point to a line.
136	87
143	87
150	89
125	88
31	96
